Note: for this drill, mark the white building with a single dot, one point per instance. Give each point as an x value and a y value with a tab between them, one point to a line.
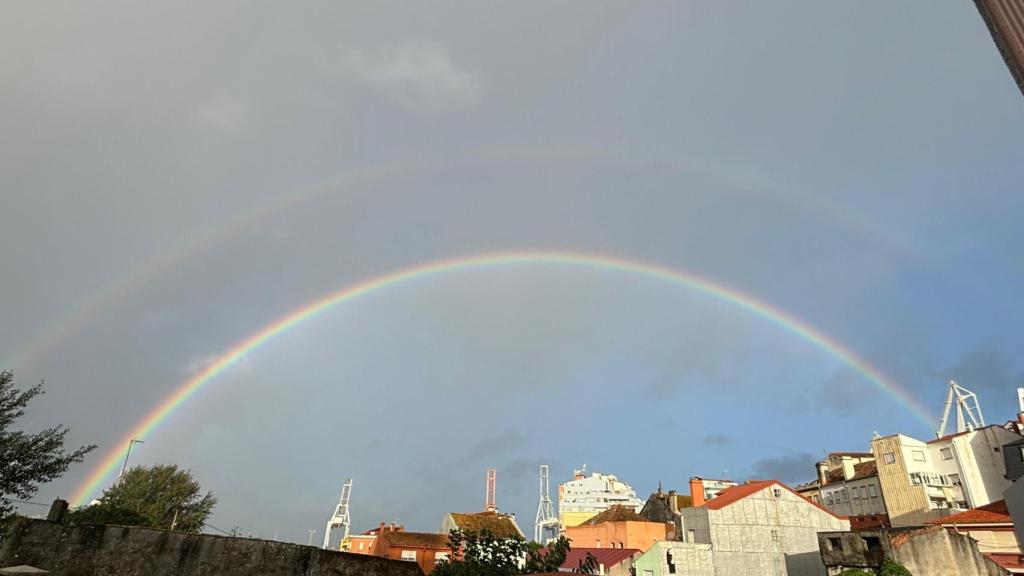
584	497
973	463
760	528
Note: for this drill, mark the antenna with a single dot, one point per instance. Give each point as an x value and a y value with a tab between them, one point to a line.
490	503
340	517
963	398
546	528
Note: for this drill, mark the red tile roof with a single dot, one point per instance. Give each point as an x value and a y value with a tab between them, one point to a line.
607	556
1008	561
865	470
616	513
734	494
994	513
416	539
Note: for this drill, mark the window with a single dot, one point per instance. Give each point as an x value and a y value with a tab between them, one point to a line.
777	492
864	492
946	453
954	479
409	555
856	494
835	543
671	564
361	545
872	491
828	498
872	542
691	536
888	458
917	455
440	557
598	544
846	497
775	535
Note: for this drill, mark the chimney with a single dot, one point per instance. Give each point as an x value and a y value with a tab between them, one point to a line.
822	472
697	491
848	471
673	503
57	510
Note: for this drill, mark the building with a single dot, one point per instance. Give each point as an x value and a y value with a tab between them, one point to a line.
618	527
680	558
929	551
584	496
666	508
704	489
501	525
1005	21
364	543
853	490
610	561
992	528
923	481
761	527
425	549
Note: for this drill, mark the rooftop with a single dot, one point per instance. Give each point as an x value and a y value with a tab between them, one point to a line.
734	494
994	513
617	513
607	556
501	525
416	539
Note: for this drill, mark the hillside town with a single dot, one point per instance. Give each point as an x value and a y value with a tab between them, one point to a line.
954	502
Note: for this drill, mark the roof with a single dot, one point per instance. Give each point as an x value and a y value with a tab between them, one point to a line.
500	525
734	494
1012	562
416	539
994	513
607	556
955	434
853	454
617	513
865	470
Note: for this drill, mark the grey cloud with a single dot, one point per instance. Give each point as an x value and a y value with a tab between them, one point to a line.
791	467
418	77
495	445
717	439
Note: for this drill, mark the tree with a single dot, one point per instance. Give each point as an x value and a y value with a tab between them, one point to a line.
856	572
484	554
164	495
104	513
28	460
893	568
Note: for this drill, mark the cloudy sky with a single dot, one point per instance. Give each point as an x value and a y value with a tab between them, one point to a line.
177	176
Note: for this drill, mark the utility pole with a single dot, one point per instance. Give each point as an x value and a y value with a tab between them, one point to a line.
124	467
311	532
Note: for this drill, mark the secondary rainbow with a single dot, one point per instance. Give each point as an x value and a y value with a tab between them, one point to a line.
108	465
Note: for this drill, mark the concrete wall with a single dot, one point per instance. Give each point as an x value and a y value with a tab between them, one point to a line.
689	560
1013	460
119	551
1014	497
931	551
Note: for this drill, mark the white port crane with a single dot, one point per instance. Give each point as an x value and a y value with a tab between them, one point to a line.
546	528
340	517
963	399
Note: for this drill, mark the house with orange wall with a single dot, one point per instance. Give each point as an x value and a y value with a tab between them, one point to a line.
423	548
618	527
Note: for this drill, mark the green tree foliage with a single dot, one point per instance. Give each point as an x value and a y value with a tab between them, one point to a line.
163	495
893	568
484	554
856	572
28	460
104	513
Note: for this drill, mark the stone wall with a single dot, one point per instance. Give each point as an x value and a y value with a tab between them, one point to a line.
94	550
931	551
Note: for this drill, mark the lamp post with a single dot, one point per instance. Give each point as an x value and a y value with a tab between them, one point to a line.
126	455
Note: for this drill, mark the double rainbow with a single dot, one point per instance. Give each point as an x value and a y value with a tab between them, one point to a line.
108	465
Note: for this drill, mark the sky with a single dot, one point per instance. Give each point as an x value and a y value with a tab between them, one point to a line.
176	176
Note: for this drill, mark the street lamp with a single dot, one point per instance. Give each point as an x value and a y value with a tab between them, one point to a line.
126	455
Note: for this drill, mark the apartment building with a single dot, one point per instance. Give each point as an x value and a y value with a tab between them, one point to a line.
584	497
923	481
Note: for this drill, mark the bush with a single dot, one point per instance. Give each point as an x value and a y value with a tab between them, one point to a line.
893	568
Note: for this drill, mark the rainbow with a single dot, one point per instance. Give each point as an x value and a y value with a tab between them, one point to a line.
108	465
